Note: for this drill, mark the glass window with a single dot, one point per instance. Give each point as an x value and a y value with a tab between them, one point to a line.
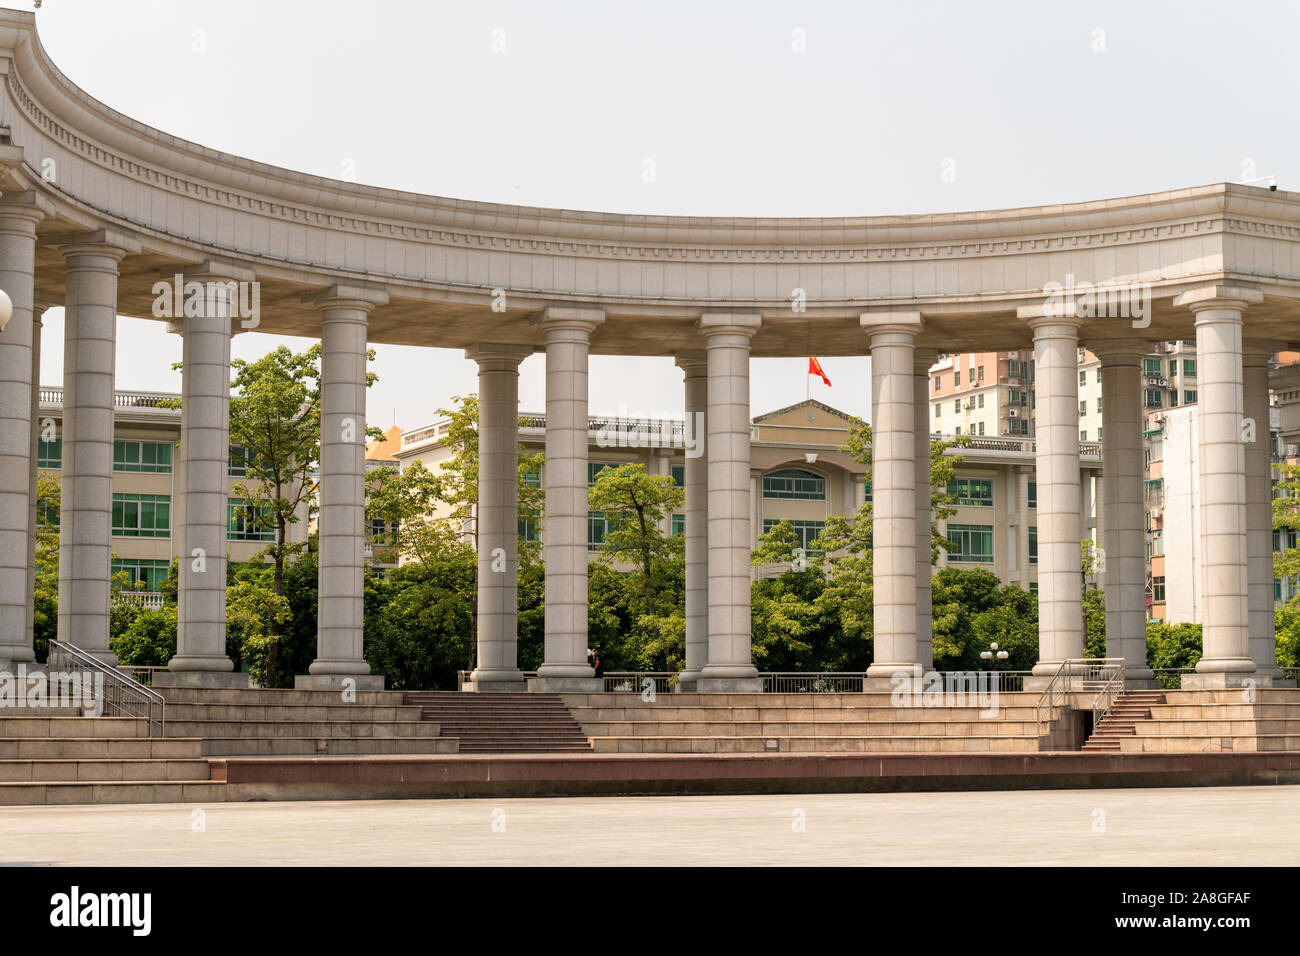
679	475
1083	407
239	459
1189	366
678	526
1153	398
528	529
1158	590
977	492
142	456
1083	434
1151	366
979	373
972	542
794	483
533	479
956	378
936	383
247	522
1033	494
596	529
1083	377
141	516
1033	545
805	531
140	571
1189	397
49	453
594	468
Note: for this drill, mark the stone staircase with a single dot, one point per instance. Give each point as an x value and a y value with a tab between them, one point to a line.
1130	707
1214	721
58	756
503	723
810	723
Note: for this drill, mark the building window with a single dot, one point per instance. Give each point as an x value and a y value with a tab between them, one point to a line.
679	475
979	373
1153	398
980	400
1151	366
248	522
1019	426
936	383
1033	544
596	529
956	407
141	516
49	453
972	542
1189	366
1099	405
1083	377
678	526
957	430
142	456
1083	407
805	531
533	479
594	468
1158	590
528	529
1099	433
956	379
974	492
794	483
1083	434
46	514
1033	494
239	460
141	571
1189	398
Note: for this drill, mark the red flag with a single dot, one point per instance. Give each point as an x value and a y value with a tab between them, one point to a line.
815	368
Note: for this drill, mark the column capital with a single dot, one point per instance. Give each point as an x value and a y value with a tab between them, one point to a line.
569	318
1218	297
922	360
492	356
345	296
1119	352
109	241
693	362
729	323
909	323
1048	315
28	206
1257	352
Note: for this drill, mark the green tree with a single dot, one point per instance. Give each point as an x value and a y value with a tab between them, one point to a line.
634	505
1286	518
46	609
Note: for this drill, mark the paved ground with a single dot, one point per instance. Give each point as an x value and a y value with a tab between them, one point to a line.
1202	826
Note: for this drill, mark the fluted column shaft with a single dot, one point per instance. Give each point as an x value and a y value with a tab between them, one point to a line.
893	492
695	367
730	665
340	654
18	221
1060	587
1122	506
564	534
497	517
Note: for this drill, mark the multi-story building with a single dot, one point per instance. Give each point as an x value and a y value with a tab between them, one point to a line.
799	474
146	500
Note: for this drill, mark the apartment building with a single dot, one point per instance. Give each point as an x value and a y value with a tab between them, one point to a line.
146	460
799	474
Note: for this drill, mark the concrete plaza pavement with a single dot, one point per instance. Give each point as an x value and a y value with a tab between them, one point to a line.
1152	827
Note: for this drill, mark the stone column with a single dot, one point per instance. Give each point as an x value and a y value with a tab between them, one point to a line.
38	435
19	215
1123	516
1060	585
893	491
564	543
922	360
341	527
1259	508
85	518
1221	410
730	666
695	367
1023	473
201	659
497	517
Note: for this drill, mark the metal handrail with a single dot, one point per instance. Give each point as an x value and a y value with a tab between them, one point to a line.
1105	699
1079	673
124	696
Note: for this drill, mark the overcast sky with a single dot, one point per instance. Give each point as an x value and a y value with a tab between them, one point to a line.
891	107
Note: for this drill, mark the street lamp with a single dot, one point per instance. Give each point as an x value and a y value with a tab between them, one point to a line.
994	655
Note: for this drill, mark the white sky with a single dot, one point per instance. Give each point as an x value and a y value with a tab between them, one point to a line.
1026	102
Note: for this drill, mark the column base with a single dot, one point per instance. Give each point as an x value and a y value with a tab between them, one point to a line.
686	683
1220	680
566	685
170	678
729	685
335	681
